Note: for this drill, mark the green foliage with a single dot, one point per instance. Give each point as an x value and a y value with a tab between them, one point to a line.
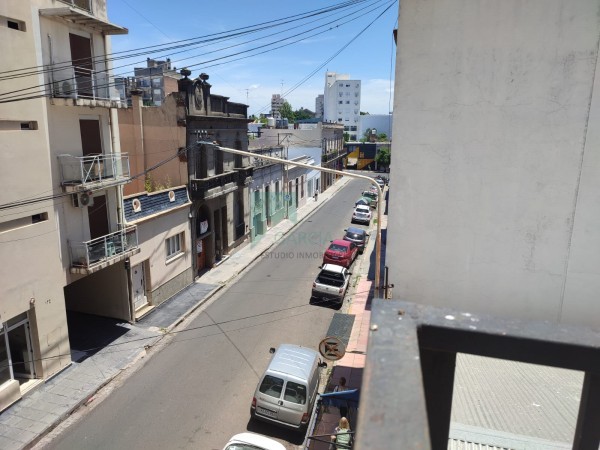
382	137
383	156
346	137
362	113
303	113
287	112
151	186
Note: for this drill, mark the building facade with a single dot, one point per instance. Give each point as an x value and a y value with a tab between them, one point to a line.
65	247
156	201
277	102
341	102
219	181
320	106
494	186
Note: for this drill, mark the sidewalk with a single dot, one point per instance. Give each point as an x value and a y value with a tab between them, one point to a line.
44	408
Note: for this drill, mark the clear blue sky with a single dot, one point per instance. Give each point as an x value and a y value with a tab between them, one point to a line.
253	80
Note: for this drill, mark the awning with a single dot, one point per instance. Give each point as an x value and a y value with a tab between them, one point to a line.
350	397
83	18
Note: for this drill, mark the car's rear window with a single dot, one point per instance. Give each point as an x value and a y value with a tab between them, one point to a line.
337	248
331	279
354	236
271	386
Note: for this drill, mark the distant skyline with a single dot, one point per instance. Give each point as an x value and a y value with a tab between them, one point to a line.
254	77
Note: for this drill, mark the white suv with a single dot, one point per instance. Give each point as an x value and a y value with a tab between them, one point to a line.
362	214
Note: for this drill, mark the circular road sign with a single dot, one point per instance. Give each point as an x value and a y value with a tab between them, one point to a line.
332	348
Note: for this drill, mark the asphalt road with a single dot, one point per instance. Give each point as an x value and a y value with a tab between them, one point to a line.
196	391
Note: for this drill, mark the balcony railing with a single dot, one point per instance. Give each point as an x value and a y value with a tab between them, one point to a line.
83	4
200	187
112	246
81	82
85	170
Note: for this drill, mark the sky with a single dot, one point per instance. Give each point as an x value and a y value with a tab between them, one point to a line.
354	38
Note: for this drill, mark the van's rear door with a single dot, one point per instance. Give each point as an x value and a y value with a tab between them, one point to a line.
294	403
268	397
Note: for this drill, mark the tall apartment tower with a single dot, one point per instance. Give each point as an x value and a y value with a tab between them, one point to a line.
342	102
277	102
62	242
319	105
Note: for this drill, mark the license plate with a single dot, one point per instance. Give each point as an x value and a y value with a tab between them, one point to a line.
266	412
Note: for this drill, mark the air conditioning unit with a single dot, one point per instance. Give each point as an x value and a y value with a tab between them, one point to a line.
83	199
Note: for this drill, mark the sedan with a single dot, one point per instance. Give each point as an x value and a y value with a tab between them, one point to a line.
340	252
357	235
362	214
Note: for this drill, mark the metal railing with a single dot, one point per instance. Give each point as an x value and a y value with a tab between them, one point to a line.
83	4
82	82
82	170
89	253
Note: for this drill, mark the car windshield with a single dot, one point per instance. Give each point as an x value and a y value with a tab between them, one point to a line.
243	447
362	209
338	248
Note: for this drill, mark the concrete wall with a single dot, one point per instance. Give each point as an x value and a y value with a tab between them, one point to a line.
494	186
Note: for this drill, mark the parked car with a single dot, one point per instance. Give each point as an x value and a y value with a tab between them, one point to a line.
252	441
372	196
363	201
331	283
287	390
380	181
362	214
357	235
340	252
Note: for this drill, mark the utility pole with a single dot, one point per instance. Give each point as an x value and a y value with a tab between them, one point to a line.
331	171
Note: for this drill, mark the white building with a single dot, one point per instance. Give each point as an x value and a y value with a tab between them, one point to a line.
494	188
62	241
382	123
341	102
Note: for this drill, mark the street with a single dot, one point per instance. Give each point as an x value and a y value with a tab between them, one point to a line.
196	391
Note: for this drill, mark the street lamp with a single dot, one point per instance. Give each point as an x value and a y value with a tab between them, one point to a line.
333	171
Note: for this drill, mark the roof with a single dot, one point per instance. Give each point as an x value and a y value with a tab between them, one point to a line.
341	242
356	230
293	360
257	440
333	268
154	203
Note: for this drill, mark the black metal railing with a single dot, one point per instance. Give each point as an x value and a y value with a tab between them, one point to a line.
89	253
200	187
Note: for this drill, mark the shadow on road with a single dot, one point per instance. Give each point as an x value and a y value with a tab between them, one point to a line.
291	436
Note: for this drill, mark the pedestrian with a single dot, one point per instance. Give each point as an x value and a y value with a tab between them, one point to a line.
341	439
316	194
339	388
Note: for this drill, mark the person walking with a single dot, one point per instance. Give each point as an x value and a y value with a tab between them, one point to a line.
341	439
339	388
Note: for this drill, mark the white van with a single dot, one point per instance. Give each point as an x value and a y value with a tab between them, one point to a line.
286	393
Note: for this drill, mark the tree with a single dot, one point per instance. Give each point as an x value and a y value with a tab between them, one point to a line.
286	112
303	113
382	137
383	157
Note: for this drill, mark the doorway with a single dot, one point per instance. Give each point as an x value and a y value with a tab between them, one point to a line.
81	57
17	349
138	285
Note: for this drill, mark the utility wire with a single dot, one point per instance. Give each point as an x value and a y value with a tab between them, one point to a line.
21	94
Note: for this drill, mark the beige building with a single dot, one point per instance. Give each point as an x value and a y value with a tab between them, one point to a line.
62	241
156	201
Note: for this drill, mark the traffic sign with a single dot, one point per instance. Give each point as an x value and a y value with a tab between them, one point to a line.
332	348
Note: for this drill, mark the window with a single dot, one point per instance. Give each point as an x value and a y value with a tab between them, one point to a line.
340	102
174	245
347	102
271	386
13	24
295	393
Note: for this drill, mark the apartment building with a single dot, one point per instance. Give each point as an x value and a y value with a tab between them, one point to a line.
63	245
341	102
277	102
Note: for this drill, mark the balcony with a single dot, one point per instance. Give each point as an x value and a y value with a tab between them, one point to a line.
215	186
81	86
244	175
91	256
93	171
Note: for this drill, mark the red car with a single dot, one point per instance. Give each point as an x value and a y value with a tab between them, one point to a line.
341	253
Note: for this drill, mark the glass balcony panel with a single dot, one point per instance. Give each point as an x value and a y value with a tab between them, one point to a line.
113	245
82	170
